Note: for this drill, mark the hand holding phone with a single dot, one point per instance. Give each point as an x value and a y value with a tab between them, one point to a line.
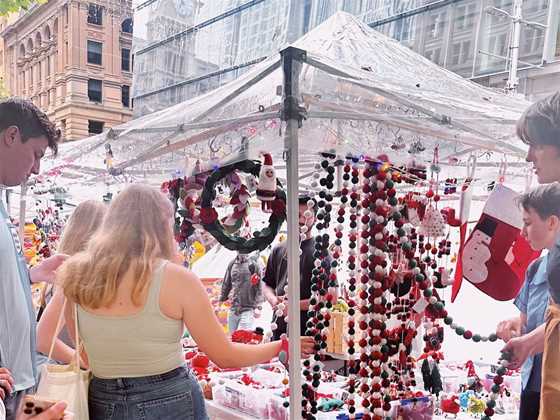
37	408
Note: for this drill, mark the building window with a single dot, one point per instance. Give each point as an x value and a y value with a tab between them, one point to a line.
94	52
126	26
125	96
95	127
95	90
95	14
125	59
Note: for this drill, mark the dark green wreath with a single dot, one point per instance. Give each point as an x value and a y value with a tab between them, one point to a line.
209	216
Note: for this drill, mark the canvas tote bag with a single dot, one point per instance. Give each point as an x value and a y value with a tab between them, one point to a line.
66	382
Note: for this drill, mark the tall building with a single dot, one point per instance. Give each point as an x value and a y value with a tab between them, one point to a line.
73	59
219	40
467	37
5	21
464	36
160	64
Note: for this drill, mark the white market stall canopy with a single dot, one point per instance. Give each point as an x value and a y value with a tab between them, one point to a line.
363	93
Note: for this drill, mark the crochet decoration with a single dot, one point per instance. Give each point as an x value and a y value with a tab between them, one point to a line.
209	215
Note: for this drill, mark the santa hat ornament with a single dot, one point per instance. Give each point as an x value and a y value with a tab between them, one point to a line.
266	188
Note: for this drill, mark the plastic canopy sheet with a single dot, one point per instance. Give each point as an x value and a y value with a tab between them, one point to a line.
363	93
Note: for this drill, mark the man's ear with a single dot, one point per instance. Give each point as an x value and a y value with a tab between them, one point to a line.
554	222
9	136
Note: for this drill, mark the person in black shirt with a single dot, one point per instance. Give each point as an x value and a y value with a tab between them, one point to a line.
276	273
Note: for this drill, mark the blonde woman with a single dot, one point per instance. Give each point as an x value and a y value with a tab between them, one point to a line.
132	306
81	225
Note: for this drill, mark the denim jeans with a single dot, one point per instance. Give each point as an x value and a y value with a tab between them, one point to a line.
174	395
243	321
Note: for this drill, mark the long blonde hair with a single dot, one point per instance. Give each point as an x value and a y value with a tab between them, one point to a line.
82	224
136	231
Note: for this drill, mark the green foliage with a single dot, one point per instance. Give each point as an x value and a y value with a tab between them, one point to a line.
12	6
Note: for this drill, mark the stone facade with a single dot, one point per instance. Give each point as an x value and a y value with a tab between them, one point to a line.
48	58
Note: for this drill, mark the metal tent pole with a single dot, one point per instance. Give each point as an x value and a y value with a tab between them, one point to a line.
293	115
22	210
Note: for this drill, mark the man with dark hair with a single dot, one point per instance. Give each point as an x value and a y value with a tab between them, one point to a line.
276	274
25	135
539	127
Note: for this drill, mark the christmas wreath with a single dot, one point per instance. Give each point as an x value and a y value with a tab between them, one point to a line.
209	216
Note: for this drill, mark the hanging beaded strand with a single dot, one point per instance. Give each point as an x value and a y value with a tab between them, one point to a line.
353	274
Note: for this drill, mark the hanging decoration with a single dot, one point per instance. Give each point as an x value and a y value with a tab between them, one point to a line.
209	215
496	256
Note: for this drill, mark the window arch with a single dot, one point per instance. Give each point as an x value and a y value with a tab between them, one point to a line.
22	50
47	33
29	45
38	40
127	25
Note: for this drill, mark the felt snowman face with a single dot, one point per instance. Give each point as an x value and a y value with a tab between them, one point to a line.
269	173
475	256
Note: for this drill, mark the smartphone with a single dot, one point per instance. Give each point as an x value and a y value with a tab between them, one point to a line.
34	405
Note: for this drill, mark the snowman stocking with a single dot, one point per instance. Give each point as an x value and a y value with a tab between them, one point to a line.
496	256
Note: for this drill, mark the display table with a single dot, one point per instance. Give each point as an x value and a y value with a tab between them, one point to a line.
218	412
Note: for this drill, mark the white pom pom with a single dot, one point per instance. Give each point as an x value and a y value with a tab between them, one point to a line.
433	300
308	214
273	326
380	219
379	202
378	236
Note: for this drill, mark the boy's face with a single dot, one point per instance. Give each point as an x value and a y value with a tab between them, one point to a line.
546	162
540	233
18	160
